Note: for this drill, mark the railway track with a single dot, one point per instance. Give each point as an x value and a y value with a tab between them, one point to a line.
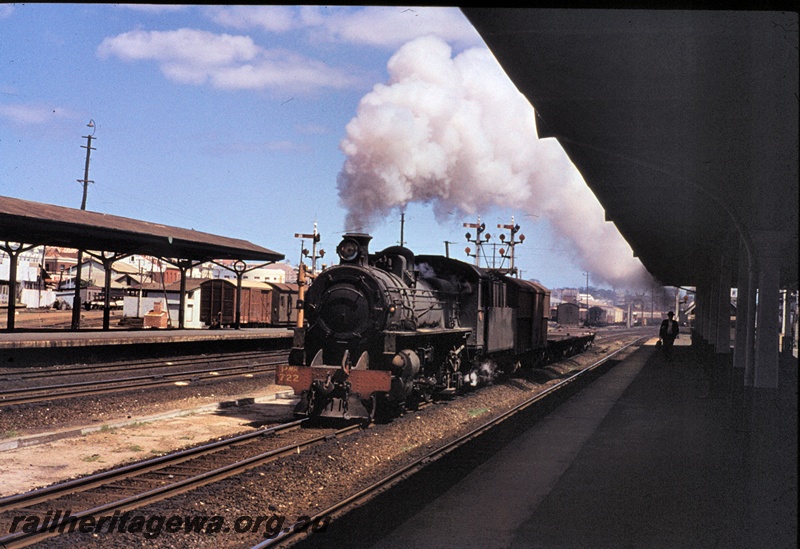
251	366
133	486
606	335
134	365
544	400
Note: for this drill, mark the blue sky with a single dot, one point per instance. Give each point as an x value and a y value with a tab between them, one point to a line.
255	122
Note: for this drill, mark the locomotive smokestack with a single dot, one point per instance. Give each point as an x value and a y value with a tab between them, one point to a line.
354	248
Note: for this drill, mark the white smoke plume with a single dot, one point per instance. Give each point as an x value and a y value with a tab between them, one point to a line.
456	133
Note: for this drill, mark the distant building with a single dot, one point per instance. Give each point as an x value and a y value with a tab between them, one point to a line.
604	315
58	260
270	273
569	295
32	280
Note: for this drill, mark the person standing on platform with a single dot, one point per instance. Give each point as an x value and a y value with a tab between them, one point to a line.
668	334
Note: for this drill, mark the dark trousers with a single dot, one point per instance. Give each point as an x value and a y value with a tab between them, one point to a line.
667	346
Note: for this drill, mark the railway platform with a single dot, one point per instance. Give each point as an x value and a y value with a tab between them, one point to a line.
653	454
48	347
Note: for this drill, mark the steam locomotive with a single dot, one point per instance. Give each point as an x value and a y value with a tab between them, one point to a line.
389	330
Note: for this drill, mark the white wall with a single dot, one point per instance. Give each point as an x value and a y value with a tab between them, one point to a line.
263	274
191	311
36	299
27	266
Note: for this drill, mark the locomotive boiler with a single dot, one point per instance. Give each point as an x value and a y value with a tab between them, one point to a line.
388	330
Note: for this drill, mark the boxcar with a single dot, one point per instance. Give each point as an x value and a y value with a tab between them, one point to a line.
262	303
568	314
284	304
218	303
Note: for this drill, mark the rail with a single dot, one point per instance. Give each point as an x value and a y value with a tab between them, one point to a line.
544	398
84	388
52	493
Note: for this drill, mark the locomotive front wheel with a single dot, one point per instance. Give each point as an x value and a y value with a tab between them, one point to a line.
371	405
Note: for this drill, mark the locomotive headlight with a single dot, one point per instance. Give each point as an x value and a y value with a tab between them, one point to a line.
348	250
392	309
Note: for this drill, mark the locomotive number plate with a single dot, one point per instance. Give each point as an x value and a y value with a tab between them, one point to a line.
364	382
297	377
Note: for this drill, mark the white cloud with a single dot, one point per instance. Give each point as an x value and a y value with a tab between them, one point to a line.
153	8
392	26
229	62
23	115
381	26
199	48
269	18
281	69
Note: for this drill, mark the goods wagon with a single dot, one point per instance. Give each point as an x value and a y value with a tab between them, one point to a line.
262	304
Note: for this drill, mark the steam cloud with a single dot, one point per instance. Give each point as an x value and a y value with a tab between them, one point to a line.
455	132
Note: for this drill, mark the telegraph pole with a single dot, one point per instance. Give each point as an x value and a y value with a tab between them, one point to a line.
402	228
76	300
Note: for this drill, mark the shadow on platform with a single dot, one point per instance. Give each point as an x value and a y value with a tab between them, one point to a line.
654	454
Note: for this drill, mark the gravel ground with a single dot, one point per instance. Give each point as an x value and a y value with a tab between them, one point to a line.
310	482
27	419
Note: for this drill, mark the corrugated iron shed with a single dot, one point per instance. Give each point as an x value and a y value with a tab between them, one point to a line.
44	224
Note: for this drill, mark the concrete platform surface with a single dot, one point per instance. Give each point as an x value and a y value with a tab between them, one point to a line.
645	457
85	338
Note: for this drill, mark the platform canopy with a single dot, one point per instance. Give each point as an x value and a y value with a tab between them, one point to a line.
684	123
35	223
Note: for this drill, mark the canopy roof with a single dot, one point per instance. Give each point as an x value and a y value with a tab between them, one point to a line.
44	224
684	123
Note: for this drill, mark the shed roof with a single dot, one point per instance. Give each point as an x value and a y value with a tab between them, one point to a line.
45	224
284	287
191	284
